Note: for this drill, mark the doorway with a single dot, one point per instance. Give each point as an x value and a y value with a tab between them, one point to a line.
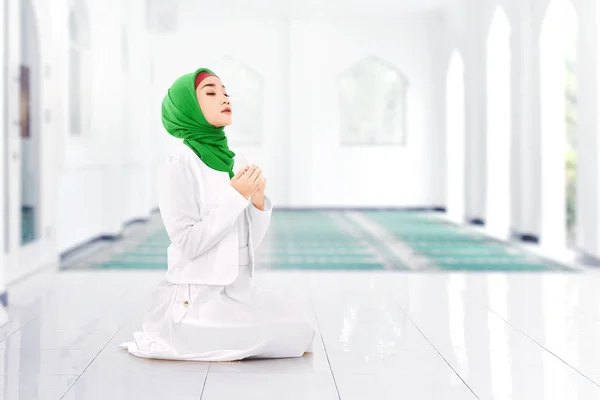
29	128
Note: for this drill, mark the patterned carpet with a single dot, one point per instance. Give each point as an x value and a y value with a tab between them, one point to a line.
340	240
452	247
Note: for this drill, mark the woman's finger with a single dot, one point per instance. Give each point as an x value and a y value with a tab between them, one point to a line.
255	174
238	175
249	170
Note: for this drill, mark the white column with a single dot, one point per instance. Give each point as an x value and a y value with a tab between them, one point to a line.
475	94
528	125
517	101
53	145
455	139
498	128
552	149
3	143
588	166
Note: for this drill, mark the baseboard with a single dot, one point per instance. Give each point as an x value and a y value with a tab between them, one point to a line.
133	221
65	255
526	237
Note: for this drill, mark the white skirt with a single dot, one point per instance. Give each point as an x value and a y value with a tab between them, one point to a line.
220	323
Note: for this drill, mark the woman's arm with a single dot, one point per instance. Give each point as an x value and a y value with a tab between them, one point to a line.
180	210
260	220
260	210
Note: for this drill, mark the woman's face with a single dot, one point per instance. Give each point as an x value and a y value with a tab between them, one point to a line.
214	102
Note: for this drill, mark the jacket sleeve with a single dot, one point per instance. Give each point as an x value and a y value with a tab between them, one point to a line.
180	210
260	221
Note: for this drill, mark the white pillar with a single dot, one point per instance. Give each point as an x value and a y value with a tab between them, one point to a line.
455	139
475	78
588	168
498	127
553	47
528	93
3	144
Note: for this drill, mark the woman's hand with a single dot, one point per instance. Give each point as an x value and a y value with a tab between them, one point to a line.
262	186
258	198
247	181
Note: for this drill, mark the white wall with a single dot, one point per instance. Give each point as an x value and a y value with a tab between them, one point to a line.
322	172
17	262
105	172
89	185
526	18
256	41
301	155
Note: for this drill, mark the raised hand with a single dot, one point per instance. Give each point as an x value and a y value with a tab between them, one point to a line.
247	181
260	191
258	197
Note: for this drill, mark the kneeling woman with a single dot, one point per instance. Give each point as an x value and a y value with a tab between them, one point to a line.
207	307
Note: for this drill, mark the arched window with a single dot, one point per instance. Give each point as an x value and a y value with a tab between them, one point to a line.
372	96
79	69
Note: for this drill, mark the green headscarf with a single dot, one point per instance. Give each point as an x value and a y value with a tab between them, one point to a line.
183	118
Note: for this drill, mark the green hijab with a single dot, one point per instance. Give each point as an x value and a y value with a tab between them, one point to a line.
183	119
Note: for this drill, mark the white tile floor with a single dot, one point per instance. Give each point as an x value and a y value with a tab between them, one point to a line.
382	336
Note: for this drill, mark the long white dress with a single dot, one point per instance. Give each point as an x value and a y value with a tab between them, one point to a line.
222	323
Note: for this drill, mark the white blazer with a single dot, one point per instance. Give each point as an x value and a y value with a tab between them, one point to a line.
199	209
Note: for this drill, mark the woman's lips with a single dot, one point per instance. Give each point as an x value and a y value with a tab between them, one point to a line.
226	111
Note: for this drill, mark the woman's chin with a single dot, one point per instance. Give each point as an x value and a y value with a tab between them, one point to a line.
221	123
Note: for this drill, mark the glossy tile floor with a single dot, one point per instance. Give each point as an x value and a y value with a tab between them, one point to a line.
382	335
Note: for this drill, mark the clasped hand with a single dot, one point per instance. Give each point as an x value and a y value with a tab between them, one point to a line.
249	182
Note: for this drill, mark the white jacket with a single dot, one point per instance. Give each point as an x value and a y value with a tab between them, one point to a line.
199	209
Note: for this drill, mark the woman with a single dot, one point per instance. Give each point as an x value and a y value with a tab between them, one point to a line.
207	308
